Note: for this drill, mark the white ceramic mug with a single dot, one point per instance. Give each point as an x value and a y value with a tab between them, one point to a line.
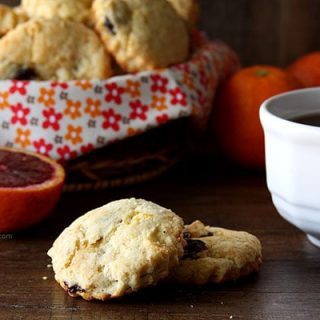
293	158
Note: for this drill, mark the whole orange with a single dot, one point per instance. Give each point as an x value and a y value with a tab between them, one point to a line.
307	69
236	116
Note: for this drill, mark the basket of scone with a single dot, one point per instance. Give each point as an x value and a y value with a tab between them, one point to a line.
78	75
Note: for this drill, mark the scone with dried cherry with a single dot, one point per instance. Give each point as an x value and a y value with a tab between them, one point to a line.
53	49
216	255
117	249
141	34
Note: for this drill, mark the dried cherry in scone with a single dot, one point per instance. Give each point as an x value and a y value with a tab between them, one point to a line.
193	248
187	235
110	26
73	289
25	74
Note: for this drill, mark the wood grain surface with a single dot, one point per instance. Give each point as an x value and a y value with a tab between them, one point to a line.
287	287
261	31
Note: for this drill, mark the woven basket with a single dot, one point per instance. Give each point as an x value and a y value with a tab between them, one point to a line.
132	160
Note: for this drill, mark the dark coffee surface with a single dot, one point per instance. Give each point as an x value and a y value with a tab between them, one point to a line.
310	119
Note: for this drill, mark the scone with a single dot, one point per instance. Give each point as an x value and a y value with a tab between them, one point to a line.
53	49
76	10
187	9
216	255
10	18
117	249
141	34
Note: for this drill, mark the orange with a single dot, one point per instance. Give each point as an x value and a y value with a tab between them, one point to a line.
236	116
30	186
307	69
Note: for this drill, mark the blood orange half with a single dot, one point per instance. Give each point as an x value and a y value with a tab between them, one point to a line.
30	186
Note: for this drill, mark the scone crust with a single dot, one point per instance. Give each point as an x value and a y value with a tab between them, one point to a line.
117	249
141	34
53	49
76	10
227	255
188	10
10	18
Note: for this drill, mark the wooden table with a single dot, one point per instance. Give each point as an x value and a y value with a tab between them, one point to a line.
287	287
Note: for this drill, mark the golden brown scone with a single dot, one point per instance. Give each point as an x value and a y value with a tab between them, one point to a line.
10	18
189	10
75	10
53	49
119	248
216	255
141	34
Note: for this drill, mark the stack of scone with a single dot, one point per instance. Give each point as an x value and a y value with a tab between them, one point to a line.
131	244
84	39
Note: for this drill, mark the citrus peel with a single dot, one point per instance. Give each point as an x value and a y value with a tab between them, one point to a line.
30	186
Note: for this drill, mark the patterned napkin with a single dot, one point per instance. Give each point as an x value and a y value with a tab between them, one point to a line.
64	120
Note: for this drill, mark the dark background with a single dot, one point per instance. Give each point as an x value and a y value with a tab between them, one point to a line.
262	31
265	31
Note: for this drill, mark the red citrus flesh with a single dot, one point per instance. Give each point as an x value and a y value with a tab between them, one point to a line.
30	186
